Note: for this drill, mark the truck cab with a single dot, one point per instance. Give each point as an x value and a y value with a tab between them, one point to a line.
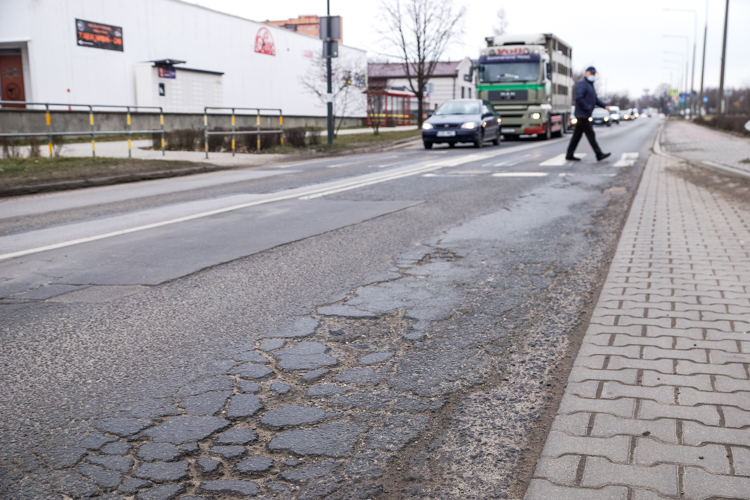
528	80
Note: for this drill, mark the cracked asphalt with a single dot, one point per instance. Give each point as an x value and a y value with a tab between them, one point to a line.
405	338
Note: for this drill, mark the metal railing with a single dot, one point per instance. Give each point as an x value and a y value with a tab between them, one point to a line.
91	132
235	132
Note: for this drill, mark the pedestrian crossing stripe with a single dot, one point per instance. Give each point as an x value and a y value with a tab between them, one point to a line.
558	161
627	160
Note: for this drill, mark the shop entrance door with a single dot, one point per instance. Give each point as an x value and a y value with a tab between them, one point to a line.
11	79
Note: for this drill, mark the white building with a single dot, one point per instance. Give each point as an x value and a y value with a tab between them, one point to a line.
156	53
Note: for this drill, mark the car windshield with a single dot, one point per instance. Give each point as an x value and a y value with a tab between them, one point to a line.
458	108
600	113
509	72
614	109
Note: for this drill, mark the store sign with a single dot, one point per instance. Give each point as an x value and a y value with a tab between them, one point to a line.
264	42
99	36
167	73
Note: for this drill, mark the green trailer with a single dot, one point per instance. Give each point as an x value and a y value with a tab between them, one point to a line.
529	81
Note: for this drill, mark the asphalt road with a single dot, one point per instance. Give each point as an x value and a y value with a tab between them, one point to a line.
393	325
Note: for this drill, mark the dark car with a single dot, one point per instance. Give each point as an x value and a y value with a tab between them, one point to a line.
462	120
600	116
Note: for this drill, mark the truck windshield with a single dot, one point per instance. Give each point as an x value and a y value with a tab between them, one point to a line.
458	108
509	72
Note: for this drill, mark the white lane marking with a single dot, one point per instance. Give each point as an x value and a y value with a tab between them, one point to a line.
461	173
520	174
627	160
559	160
300	193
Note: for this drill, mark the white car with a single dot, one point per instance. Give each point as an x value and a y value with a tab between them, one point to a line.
614	114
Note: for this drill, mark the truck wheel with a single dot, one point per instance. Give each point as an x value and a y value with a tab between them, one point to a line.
559	133
480	139
547	135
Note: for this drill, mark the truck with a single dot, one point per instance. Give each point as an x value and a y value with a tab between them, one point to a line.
529	81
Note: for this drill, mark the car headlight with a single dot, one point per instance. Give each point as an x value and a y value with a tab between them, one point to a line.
606	118
469	125
499	120
427	126
536	116
573	121
591	119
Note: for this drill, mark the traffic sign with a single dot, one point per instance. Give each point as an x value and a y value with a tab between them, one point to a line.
705	99
674	92
685	94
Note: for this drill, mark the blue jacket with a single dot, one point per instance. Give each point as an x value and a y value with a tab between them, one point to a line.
586	99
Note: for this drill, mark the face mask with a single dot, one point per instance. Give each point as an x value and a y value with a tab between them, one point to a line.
591	78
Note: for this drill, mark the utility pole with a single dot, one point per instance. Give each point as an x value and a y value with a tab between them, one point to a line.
703	65
328	73
723	61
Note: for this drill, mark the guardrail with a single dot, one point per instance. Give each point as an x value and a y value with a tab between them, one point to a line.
91	132
234	132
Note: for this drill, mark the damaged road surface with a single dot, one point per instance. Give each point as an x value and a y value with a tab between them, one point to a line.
400	326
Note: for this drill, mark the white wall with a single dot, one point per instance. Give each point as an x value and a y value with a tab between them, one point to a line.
444	88
158	29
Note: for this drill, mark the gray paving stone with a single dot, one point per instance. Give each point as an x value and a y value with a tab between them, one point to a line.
305	356
208	465
609	425
133	485
151	452
105	478
613	390
236	486
724	345
291	415
228	451
561	470
615	448
580	374
375	358
701	382
600	472
727	384
695	434
161	492
691	397
397	432
621	407
314	374
252	371
319	469
696	355
659	365
586	389
359	376
651	410
252	357
184	429
280	388
248	387
711	457
734	370
236	436
209	403
702	484
734	417
332	440
162	471
117	448
114	462
188	447
271	344
244	405
123	426
741	458
327	390
366	400
541	489
254	464
575	424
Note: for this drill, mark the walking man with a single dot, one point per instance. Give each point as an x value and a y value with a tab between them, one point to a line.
586	101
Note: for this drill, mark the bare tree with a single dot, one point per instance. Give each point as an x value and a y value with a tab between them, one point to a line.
375	109
349	80
420	31
501	23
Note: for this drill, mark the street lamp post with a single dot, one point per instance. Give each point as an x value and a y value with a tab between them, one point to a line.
695	37
703	64
687	62
723	61
329	104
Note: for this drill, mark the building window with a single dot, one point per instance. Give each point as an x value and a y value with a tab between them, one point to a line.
469	93
462	92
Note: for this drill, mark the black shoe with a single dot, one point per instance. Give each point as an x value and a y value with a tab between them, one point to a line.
572	158
603	156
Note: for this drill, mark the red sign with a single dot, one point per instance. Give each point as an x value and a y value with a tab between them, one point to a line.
167	73
264	42
98	36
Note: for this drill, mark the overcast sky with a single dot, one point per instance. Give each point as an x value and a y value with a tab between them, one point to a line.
623	39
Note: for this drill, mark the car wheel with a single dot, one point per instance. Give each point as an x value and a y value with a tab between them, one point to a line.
480	139
427	145
496	140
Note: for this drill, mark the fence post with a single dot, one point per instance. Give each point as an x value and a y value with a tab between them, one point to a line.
205	130
232	131
130	136
91	124
161	121
49	130
281	126
257	127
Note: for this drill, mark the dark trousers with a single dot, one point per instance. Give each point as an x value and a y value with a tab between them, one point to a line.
584	127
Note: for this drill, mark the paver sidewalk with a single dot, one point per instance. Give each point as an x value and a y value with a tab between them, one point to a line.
702	145
658	401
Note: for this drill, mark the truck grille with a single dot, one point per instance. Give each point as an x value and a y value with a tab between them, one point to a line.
509	95
511	115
